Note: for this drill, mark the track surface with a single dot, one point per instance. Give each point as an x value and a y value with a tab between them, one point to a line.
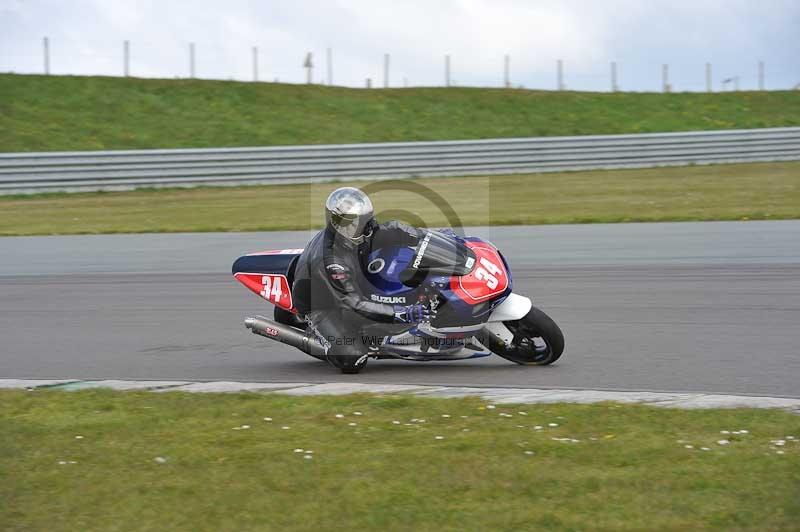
708	307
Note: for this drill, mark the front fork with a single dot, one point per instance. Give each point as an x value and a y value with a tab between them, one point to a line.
496	337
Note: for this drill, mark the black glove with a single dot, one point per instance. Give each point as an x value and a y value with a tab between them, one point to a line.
417	313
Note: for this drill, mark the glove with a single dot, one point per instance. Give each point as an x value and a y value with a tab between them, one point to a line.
417	313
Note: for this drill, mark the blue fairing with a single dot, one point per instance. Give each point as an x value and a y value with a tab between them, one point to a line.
276	263
383	279
387	280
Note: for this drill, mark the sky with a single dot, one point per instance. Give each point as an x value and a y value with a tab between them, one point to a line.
86	38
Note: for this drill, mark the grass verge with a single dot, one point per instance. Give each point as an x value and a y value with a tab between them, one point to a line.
55	113
102	460
720	192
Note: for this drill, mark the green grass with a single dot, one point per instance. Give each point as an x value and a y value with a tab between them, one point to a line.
54	113
725	192
630	469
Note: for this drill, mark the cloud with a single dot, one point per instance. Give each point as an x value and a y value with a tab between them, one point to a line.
86	38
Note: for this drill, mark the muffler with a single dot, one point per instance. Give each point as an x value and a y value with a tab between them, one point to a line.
305	342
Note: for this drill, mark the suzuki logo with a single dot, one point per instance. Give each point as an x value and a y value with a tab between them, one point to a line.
388	299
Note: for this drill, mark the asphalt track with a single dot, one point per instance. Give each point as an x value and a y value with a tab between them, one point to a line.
699	307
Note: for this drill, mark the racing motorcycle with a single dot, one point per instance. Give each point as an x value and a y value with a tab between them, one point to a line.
466	280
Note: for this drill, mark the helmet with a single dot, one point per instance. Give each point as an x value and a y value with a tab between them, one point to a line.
349	212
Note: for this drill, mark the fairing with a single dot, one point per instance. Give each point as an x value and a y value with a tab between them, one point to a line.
466	294
442	254
269	274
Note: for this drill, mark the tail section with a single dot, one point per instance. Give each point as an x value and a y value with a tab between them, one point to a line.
269	274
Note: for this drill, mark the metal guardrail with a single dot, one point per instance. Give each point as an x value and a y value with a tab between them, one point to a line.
110	170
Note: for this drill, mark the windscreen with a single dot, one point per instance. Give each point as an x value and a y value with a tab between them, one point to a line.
440	254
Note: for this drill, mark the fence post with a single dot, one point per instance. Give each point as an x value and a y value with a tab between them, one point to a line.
308	64
329	61
560	74
709	86
614	86
191	60
126	58
255	63
46	43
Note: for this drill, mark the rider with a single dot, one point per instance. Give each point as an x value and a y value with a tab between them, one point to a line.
326	288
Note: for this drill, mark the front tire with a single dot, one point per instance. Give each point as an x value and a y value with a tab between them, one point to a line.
538	341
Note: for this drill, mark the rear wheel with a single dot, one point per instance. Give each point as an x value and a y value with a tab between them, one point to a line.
352	368
289	318
538	341
348	364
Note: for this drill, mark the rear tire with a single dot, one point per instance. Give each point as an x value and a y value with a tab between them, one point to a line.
288	318
350	365
538	341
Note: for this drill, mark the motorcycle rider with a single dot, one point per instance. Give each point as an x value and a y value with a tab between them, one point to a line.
326	288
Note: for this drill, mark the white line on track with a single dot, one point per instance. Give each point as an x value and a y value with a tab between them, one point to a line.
493	395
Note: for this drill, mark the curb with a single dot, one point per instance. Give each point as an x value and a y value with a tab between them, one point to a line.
494	395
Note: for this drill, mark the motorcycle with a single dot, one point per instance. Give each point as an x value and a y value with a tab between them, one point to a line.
466	280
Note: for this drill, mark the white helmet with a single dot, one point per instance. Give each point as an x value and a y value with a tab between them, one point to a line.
349	212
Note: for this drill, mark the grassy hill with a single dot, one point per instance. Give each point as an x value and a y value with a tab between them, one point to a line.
53	113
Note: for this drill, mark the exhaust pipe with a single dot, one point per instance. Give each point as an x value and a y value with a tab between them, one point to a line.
307	343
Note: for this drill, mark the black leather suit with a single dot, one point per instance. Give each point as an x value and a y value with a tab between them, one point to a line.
327	291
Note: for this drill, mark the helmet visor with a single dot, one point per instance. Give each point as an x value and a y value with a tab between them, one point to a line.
348	225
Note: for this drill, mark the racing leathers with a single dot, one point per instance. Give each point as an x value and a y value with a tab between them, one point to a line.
327	291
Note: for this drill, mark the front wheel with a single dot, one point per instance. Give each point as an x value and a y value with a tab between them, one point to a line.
538	341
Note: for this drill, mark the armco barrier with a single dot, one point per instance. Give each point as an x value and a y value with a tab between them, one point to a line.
110	170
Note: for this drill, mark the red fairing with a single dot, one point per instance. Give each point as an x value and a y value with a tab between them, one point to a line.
277	252
272	287
487	279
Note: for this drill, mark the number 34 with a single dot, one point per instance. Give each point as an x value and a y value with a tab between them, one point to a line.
488	271
271	288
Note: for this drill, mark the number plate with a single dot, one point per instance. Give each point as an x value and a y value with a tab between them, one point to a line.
487	279
272	287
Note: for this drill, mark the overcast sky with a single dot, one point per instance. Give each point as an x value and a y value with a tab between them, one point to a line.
640	35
